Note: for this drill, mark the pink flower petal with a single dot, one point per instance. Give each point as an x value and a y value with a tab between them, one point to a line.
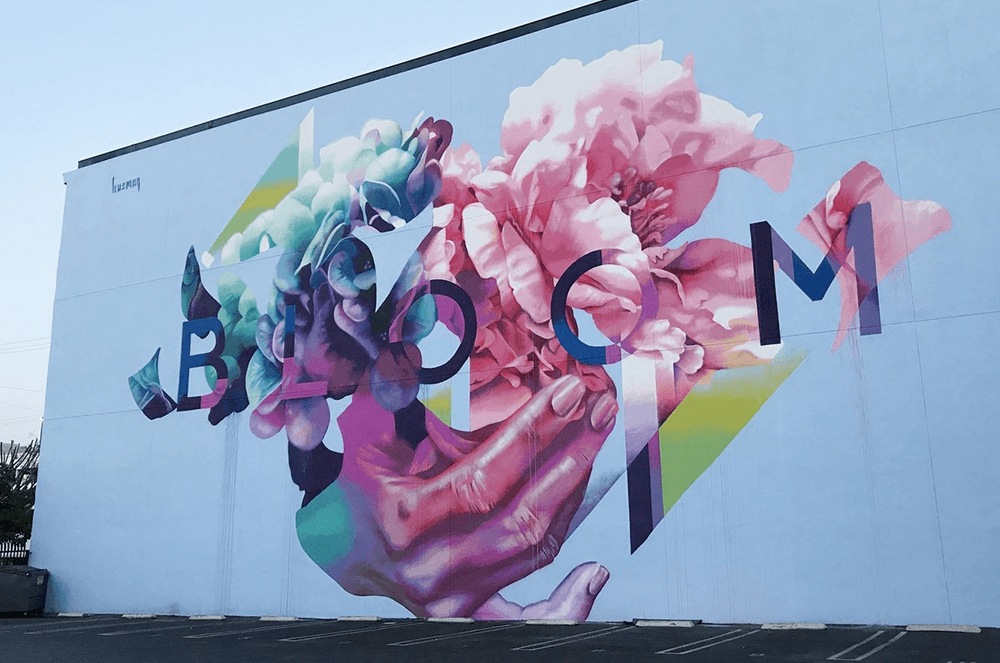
532	290
577	227
899	227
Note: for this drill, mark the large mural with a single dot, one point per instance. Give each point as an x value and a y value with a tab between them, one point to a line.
555	285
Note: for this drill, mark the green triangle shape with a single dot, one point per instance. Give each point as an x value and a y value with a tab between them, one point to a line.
280	178
710	417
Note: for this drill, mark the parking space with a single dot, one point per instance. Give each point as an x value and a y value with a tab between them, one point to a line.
949	647
106	639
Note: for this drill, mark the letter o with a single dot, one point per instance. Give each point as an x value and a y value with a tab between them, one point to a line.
583	352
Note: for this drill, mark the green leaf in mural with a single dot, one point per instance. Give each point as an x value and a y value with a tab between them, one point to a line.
263	378
196	302
147	392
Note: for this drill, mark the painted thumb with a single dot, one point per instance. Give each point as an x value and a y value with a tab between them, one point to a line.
574	597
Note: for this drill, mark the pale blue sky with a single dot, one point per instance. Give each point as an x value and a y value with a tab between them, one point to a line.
77	80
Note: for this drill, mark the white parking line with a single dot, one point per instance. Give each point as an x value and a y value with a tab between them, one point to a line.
836	657
698	642
35	622
570	639
258	629
861	657
176	627
712	642
881	647
334	634
452	636
97	623
19	624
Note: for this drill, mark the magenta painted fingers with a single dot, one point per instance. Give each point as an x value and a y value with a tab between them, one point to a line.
479	482
451	522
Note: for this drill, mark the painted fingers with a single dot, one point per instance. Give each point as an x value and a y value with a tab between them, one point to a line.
489	477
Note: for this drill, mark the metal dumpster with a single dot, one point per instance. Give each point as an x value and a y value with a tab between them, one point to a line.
22	589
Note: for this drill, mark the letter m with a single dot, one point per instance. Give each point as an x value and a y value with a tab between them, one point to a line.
768	248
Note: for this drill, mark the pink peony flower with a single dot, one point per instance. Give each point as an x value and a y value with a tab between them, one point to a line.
637	130
621	153
706	289
459	166
899	226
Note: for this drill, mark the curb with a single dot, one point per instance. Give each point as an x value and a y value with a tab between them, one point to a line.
359	618
793	626
944	628
450	620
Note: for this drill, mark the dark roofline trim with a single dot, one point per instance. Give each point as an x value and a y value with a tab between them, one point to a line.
385	72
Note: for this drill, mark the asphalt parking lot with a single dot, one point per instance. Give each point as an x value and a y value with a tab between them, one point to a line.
110	639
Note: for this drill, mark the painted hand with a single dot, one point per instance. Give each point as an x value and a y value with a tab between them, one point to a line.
441	520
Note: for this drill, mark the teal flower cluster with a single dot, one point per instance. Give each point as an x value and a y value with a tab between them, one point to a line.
379	182
363	187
